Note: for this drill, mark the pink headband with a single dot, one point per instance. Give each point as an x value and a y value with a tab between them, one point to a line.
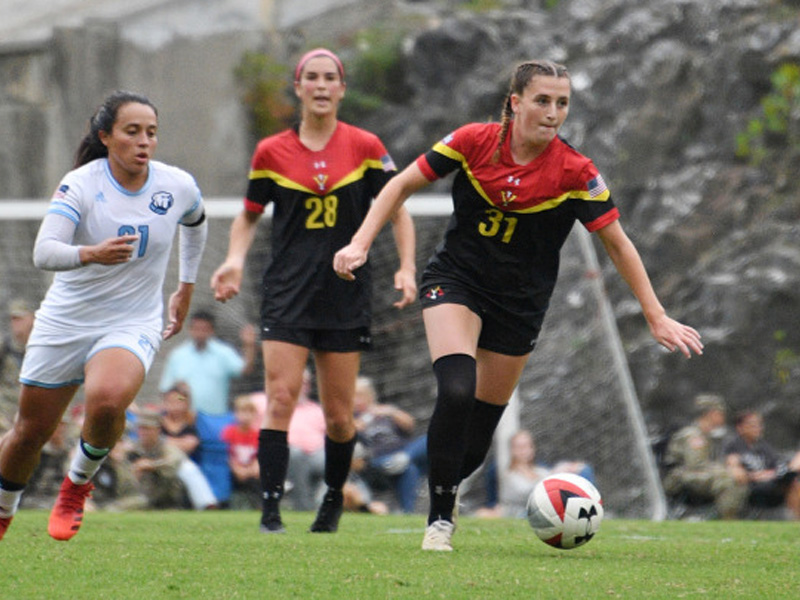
314	53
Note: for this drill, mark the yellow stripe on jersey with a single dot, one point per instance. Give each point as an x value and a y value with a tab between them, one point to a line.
282	181
554	202
358	173
287	183
538	207
457	156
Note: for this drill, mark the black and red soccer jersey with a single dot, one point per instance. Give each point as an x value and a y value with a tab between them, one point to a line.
320	199
509	220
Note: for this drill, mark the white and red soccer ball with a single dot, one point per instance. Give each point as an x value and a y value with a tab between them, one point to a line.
565	510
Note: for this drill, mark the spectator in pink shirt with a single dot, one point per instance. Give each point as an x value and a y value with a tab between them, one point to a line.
306	449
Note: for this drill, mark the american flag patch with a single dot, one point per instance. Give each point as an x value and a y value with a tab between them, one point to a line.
61	192
596	186
388	163
447	139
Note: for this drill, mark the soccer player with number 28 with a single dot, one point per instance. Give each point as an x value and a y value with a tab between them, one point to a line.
322	176
518	190
108	234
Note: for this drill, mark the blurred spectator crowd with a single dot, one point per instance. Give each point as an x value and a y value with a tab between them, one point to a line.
194	448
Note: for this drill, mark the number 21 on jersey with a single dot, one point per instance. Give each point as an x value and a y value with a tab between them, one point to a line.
144	236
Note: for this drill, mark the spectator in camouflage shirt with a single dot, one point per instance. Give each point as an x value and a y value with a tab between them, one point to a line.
695	462
156	463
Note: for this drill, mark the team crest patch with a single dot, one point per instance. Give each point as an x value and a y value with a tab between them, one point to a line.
321	179
161	202
435	293
507	197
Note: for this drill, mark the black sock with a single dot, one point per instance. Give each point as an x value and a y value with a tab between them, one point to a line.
11	486
273	462
338	456
447	431
480	432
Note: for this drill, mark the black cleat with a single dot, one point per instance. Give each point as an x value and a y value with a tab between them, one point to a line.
330	511
271	523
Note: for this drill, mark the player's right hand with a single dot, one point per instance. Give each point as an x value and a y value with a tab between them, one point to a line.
226	282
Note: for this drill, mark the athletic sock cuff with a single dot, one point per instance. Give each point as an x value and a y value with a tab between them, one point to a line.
268	436
10	486
91	452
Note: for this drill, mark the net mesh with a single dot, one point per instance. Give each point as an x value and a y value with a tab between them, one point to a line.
570	394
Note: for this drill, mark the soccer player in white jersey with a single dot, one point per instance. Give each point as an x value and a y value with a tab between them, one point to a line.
107	234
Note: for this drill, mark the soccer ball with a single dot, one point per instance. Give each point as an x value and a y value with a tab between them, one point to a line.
565	510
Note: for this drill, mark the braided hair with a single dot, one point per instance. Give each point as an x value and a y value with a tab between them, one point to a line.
91	147
523	75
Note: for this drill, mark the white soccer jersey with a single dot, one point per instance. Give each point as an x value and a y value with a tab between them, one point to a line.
130	293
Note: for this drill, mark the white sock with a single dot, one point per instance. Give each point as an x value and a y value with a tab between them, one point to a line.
9	501
83	466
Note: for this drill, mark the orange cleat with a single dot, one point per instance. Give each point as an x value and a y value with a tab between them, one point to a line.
4	523
67	514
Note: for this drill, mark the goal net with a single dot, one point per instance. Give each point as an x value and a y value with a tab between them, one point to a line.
575	394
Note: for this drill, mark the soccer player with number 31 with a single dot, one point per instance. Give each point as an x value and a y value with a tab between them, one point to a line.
518	190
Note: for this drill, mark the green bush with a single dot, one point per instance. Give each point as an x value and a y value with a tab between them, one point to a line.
266	93
776	129
374	77
375	73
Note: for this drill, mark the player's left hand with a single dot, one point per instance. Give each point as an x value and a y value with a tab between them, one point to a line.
178	309
226	281
347	260
405	281
676	336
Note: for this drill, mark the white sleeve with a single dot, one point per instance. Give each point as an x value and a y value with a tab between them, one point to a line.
53	250
192	242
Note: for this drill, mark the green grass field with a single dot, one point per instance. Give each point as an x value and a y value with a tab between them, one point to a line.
218	555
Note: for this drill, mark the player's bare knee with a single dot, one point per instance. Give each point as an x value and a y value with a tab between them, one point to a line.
280	405
340	428
104	413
